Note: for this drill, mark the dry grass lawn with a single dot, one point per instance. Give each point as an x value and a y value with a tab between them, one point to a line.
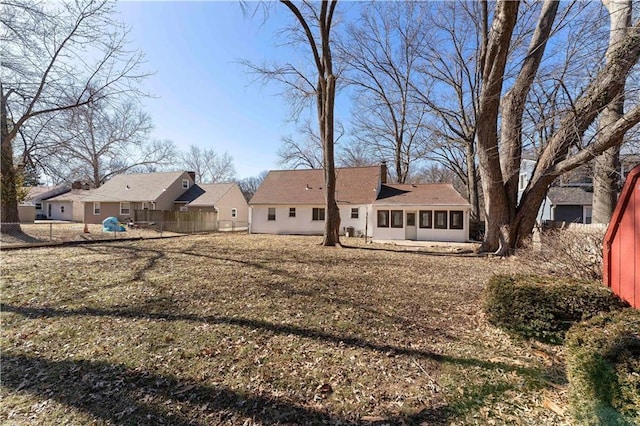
249	329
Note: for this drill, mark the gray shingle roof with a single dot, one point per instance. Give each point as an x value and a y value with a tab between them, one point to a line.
202	195
136	187
73	195
570	195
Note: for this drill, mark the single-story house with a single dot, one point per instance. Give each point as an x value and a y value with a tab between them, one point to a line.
224	198
124	193
566	203
68	206
32	207
425	212
293	202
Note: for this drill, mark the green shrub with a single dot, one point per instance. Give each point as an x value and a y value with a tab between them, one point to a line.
544	307
603	367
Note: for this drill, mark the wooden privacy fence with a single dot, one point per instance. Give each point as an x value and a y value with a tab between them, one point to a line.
176	221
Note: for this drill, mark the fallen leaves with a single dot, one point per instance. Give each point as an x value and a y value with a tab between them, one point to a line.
208	328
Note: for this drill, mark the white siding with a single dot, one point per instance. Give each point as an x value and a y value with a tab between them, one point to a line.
423	234
60	210
302	223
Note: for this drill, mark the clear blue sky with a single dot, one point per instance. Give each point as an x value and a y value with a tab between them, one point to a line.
202	95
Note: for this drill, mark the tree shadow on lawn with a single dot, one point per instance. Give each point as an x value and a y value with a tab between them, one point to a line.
286	289
282	329
122	386
121	395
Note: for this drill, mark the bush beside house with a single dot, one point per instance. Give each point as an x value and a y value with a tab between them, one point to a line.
544	308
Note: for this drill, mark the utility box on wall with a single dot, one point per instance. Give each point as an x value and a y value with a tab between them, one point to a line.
622	243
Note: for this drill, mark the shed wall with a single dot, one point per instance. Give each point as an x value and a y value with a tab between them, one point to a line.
622	243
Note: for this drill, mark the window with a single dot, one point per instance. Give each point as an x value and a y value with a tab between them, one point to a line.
383	218
185	183
61	209
588	214
184	208
38	206
425	219
125	208
317	213
522	183
234	212
292	212
355	212
145	205
396	218
411	219
455	219
96	208
441	219
271	214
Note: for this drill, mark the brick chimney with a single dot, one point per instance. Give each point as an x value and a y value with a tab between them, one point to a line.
383	172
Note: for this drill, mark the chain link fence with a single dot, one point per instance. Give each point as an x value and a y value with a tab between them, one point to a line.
51	232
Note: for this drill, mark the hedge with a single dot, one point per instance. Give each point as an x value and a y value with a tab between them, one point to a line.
544	308
603	367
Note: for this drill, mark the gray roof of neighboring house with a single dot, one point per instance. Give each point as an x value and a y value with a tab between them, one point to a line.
73	195
354	185
39	193
208	194
427	194
570	195
137	187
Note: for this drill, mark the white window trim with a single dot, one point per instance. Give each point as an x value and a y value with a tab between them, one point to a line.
122	210
185	183
234	212
98	210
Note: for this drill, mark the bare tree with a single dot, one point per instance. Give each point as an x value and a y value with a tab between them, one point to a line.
96	141
382	52
250	185
356	154
55	57
305	150
209	166
455	76
319	85
606	178
509	221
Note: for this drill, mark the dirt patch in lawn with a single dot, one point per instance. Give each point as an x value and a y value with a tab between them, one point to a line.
249	329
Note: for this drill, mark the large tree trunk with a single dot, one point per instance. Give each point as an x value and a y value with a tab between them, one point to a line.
553	162
9	209
513	104
332	220
496	203
606	178
472	181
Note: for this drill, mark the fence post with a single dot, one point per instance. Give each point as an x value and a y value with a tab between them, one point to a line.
50	231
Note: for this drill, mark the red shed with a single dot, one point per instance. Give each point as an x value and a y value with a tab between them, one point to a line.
622	243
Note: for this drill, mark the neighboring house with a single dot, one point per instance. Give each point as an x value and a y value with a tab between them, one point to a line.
33	208
567	203
224	198
570	204
123	194
293	202
68	206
